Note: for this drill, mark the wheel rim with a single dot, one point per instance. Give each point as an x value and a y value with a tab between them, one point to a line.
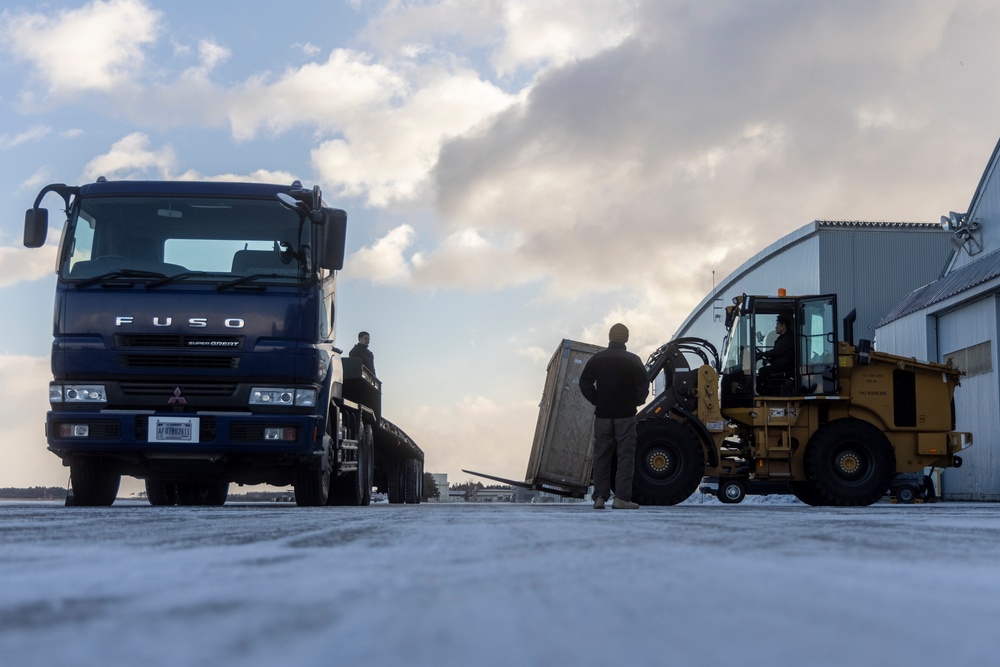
732	492
852	465
659	463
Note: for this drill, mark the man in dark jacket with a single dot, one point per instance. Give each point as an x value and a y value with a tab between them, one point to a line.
614	381
362	352
781	357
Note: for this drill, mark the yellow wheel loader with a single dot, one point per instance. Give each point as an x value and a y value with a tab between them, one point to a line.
836	425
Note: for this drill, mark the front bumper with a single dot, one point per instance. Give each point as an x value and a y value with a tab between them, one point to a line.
212	433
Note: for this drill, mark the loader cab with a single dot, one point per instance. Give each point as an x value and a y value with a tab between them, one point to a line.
753	365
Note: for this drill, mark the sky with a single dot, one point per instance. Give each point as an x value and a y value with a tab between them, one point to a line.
515	172
499	584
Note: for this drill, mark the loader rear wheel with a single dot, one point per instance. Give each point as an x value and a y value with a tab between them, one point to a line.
849	462
93	484
669	463
805	492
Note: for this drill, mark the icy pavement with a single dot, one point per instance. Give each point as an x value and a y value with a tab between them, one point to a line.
500	584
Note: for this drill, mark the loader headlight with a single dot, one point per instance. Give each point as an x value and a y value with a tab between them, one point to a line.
283	396
77	393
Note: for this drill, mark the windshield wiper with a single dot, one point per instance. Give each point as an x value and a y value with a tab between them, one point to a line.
186	274
251	277
120	273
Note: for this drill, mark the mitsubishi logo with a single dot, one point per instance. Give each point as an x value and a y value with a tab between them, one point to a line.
177	398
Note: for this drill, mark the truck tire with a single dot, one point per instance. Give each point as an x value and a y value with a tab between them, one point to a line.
93	484
413	482
160	493
849	462
669	462
731	491
369	467
355	488
396	489
201	494
312	485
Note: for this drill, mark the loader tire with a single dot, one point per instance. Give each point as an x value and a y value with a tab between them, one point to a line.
849	462
94	485
669	462
805	492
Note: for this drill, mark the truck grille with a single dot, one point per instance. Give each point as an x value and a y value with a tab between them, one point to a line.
180	340
177	361
226	390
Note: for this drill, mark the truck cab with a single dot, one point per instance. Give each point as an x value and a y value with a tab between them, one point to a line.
193	342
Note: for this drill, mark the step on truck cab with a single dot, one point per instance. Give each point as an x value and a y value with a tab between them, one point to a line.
193	346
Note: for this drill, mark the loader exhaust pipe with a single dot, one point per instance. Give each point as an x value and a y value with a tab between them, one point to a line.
849	326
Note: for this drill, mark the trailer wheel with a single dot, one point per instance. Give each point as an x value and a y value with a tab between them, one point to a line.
369	465
160	493
312	485
669	462
413	481
731	491
906	494
850	463
396	485
93	484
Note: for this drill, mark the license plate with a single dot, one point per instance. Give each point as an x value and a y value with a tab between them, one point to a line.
173	429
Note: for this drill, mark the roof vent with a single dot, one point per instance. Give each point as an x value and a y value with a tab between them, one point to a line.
101	179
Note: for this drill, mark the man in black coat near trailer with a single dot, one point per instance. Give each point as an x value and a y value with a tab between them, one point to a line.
362	352
614	381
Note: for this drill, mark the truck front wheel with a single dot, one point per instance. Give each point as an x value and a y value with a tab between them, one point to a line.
312	484
93	484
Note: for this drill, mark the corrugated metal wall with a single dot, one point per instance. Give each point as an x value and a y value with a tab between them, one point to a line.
872	269
976	403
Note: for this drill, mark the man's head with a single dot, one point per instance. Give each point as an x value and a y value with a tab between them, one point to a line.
618	333
781	326
364	338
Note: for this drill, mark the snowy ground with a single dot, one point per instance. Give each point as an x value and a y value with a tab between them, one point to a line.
499	584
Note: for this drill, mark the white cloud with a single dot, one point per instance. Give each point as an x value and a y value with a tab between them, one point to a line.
384	262
24	384
18	264
131	157
534	353
41	176
112	52
33	133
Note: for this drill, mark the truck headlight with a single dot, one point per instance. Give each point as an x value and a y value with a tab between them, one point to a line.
285	396
77	393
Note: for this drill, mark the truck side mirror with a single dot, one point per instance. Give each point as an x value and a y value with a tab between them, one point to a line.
334	234
36	227
730	316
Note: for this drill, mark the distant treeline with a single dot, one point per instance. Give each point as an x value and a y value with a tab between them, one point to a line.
34	493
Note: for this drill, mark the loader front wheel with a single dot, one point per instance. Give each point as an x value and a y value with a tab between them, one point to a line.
849	462
669	462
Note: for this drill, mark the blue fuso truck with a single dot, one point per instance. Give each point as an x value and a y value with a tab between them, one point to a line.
193	348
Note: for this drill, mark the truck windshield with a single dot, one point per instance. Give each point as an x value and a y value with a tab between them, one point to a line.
203	238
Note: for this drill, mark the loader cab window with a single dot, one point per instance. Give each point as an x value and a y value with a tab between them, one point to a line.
737	371
817	345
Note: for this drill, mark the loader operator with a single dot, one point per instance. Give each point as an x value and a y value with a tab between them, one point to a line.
780	358
614	381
